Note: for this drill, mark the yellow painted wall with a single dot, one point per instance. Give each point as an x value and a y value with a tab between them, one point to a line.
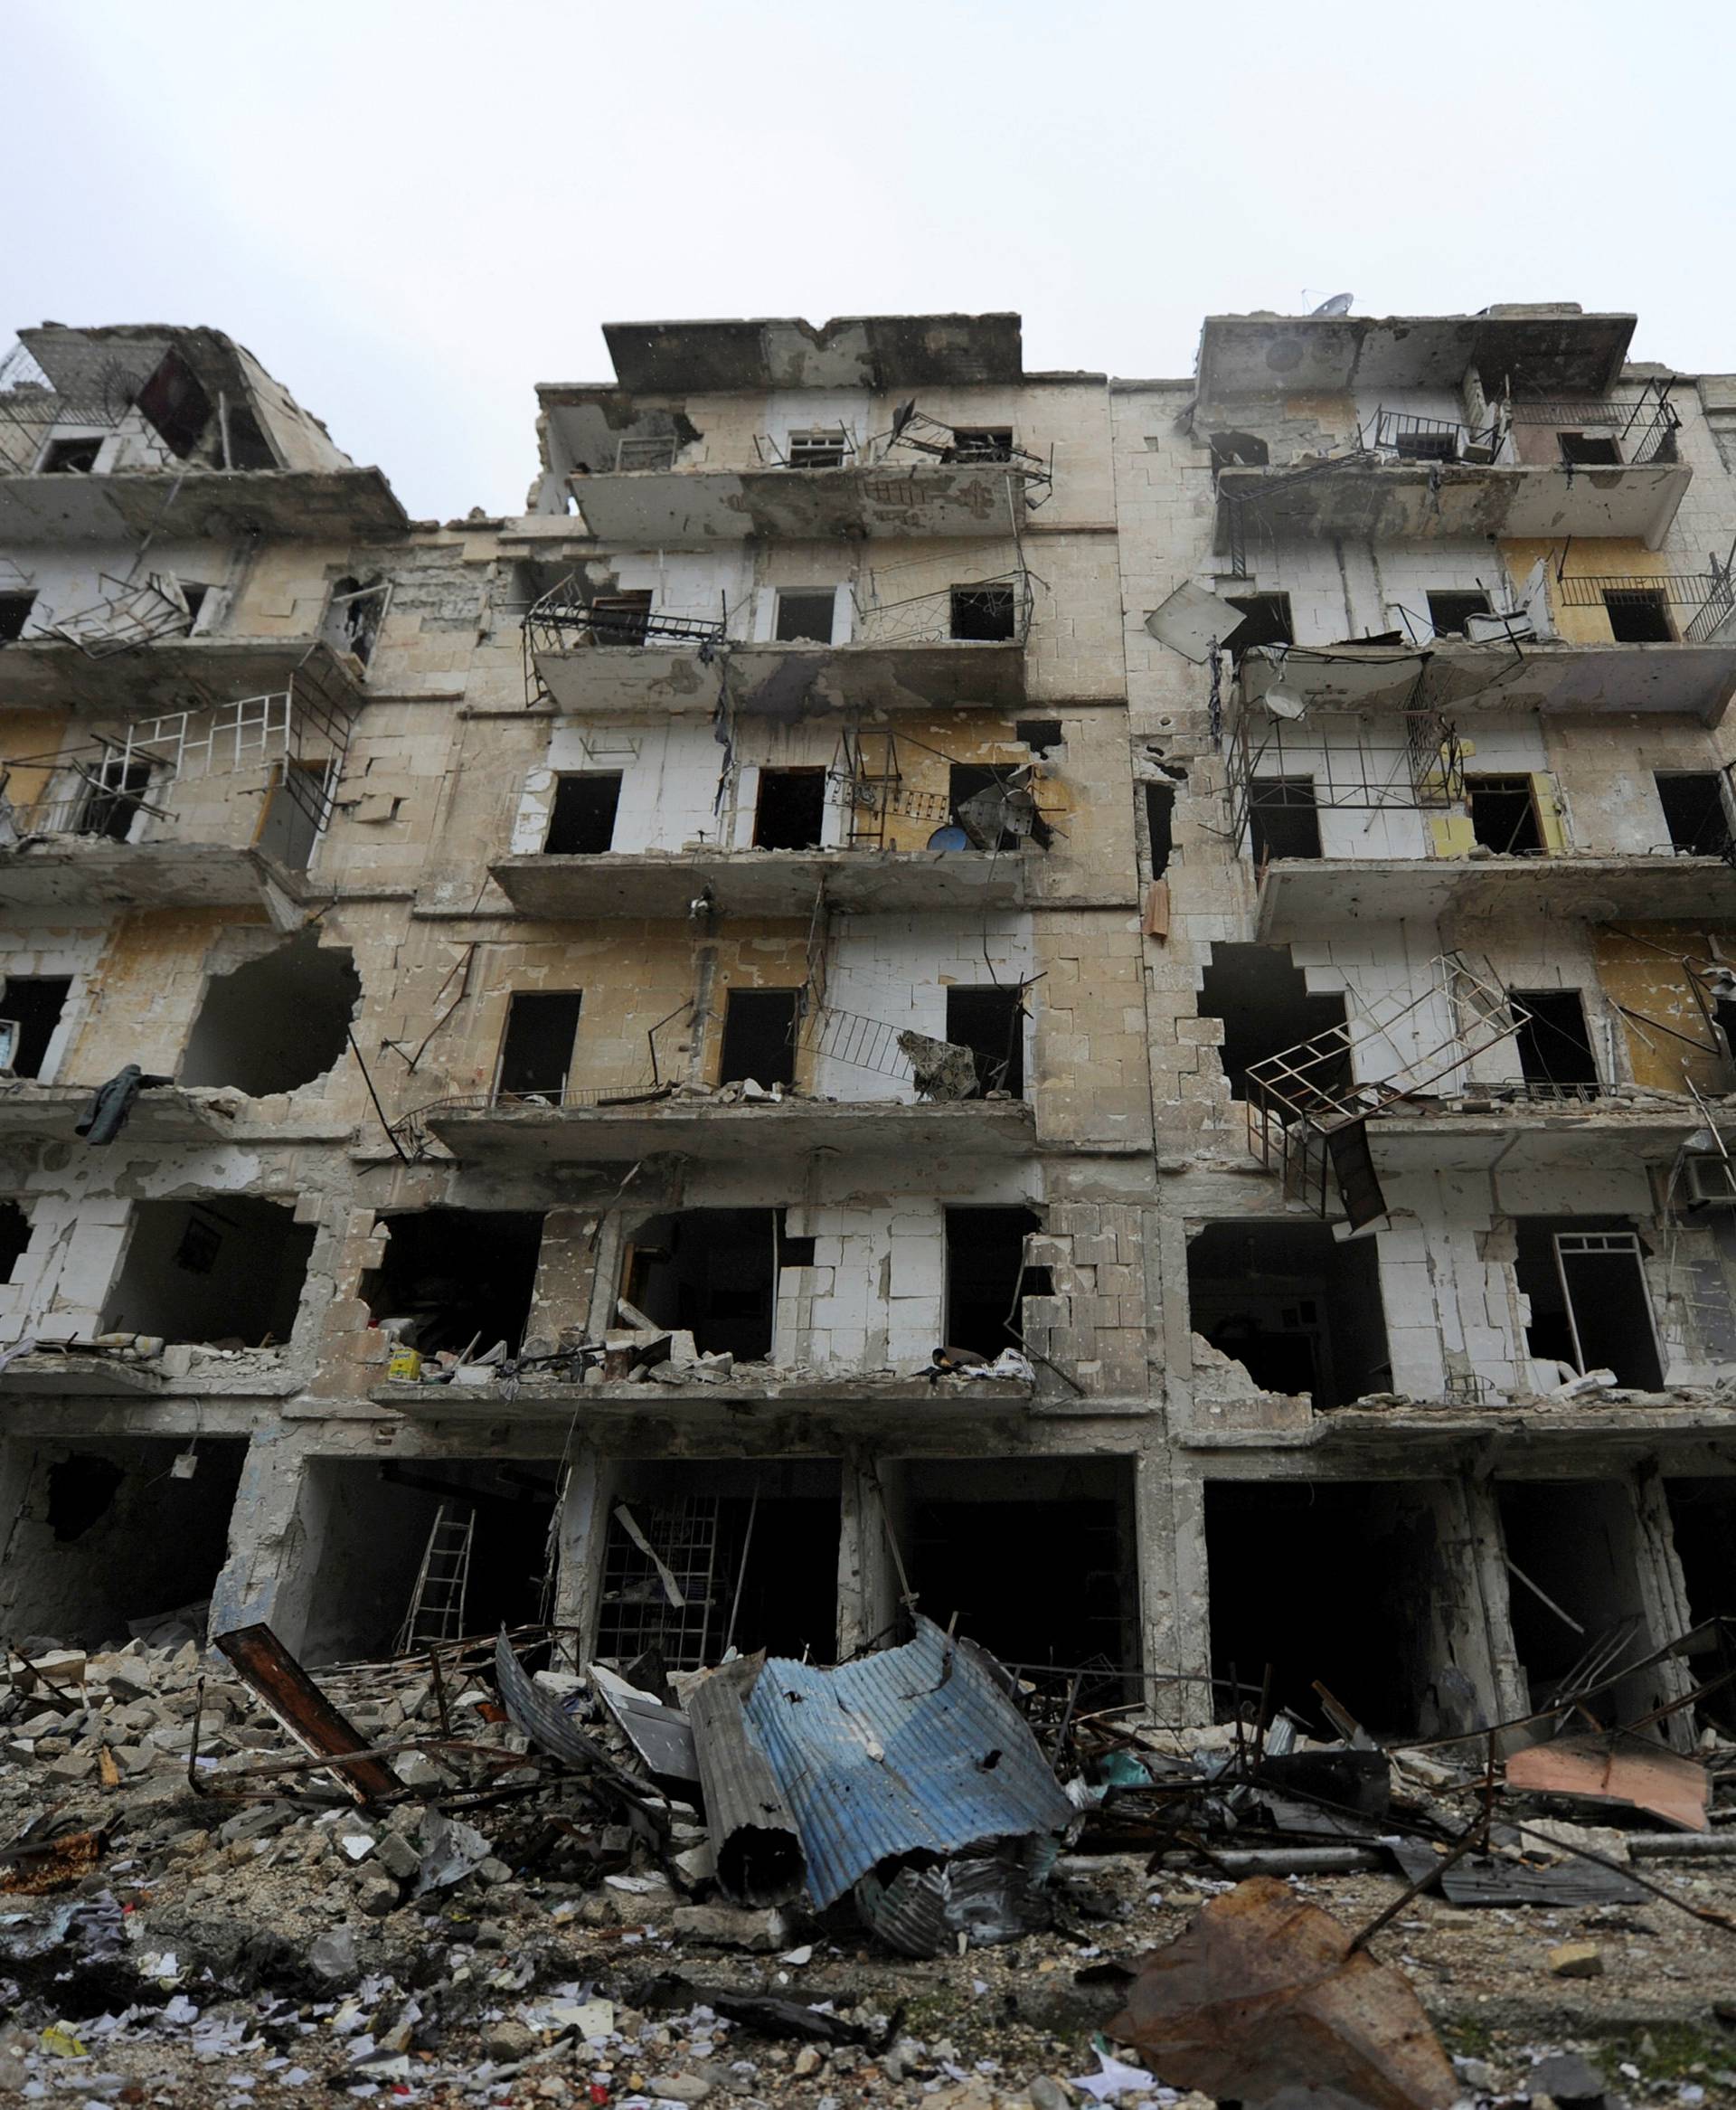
1604	556
33	733
1646	976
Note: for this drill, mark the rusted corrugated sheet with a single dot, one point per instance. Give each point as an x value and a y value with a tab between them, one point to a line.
918	1747
759	1858
263	1660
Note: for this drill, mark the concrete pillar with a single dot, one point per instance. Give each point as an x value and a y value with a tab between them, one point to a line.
1486	1554
582	1535
868	1584
276	1535
1174	1628
1664	1595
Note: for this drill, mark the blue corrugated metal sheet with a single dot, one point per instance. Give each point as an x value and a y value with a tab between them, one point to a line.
915	1747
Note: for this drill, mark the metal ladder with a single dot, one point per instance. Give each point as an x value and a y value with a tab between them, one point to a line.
436	1603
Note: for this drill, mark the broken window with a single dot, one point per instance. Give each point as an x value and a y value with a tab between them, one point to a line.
15	613
821	449
1239	450
289	825
1639	615
1299	1310
1694	810
1503	814
1426	439
1160	818
115	790
804	615
1283	819
1554	1044
456	1278
71	457
1590	1308
789	811
34	1004
620	619
982	443
173	400
225	1270
984	615
1589	450
758	1036
14	1238
536	1047
1448	612
581	820
1265	620
1266	1010
713	1271
991	1023
987	1278
274	1023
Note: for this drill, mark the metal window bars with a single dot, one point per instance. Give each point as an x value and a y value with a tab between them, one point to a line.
1397	760
1300	1100
567	619
973	445
1647	425
1711	594
654	451
131	613
925	619
695	1541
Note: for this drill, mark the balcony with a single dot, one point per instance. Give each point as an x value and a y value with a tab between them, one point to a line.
122	678
661	885
240	507
1521	1128
55	865
1305	897
161	1113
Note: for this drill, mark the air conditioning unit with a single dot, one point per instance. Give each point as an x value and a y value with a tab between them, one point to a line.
1712	1182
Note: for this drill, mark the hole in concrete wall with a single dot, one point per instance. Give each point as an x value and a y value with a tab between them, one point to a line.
1299	1310
14	1238
987	1278
1265	620
34	1004
1590	1308
226	1269
1036	1557
1239	450
984	615
1589	450
457	1276
1694	810
1283	819
1448	612
1336	1581
758	1036
804	615
713	1271
1702	1522
991	1023
754	1552
357	609
536	1046
790	811
15	613
1160	822
274	1023
109	1535
1041	735
1639	615
1554	1043
1503	814
1267	1009
69	457
366	1529
1577	1542
581	820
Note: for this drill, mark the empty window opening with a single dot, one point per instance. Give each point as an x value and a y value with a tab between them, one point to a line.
1578	1543
620	619
365	1530
984	615
581	820
1265	620
455	1278
759	1037
289	825
1422	442
753	1550
195	595
1160	820
987	1278
276	1023
1448	612
790	811
1299	1310
175	401
14	1238
1554	1044
1267	1008
1703	1521
115	1538
804	615
1695	811
1348	1582
224	1270
244	443
1589	450
991	1023
71	457
1240	451
1503	814
1283	819
713	1272
825	448
115	789
982	443
358	608
34	1004
15	613
1040	734
1590	1308
968	1528
536	1047
1639	615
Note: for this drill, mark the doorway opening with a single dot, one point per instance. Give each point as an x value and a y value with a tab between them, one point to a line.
456	1278
987	1278
715	1272
789	810
758	1039
1299	1310
536	1047
1267	1008
991	1023
1590	1308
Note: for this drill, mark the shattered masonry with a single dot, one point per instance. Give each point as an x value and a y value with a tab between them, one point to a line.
1101	1006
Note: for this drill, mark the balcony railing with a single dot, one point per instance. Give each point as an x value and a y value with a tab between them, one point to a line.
565	621
1711	594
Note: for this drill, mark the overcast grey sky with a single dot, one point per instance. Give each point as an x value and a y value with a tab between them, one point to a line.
413	212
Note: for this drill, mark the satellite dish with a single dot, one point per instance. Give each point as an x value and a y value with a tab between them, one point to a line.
1284	703
1338	305
949	839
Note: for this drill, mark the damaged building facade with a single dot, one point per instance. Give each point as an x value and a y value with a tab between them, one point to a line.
1091	1003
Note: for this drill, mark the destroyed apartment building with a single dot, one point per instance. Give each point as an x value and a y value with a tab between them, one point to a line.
1102	1007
